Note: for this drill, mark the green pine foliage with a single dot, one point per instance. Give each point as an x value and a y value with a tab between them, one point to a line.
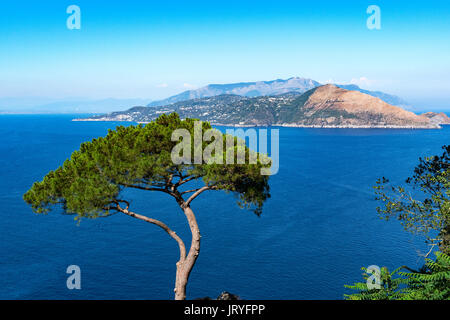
90	184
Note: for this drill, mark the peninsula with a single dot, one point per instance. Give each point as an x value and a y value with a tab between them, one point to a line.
326	106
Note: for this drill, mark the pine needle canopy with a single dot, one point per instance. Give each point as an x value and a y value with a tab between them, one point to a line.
90	183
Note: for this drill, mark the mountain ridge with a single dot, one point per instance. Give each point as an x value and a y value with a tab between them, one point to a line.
268	88
324	106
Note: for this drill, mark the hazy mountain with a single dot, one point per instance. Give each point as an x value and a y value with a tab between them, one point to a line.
247	89
324	106
268	88
388	98
290	87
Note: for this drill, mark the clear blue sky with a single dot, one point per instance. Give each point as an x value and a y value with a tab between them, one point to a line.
152	49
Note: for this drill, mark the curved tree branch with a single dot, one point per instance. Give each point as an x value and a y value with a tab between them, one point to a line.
161	225
149	189
183	181
190	191
197	193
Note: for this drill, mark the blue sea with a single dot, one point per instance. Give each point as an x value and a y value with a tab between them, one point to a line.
315	233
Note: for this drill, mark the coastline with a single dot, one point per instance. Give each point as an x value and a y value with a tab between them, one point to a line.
285	125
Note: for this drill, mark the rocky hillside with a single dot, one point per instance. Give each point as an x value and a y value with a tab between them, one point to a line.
331	106
325	106
437	118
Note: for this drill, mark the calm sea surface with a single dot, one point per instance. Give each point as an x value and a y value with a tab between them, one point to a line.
316	232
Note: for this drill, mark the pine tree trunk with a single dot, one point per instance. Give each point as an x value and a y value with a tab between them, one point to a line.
185	267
